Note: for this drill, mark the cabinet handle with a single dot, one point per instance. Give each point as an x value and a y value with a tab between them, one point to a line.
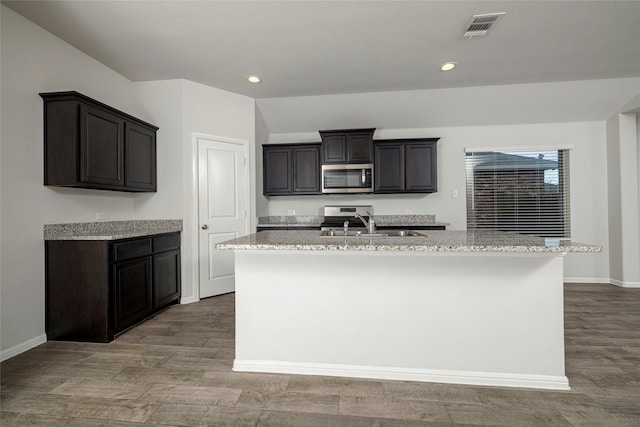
205	226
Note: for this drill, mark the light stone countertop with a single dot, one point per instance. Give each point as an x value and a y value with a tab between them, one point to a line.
293	221
434	241
110	230
290	221
406	220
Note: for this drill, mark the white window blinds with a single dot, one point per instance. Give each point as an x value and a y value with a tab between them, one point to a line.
522	191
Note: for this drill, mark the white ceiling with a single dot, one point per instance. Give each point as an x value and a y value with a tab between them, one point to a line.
331	47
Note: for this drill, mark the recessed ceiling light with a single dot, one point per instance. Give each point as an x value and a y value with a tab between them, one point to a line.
254	79
448	66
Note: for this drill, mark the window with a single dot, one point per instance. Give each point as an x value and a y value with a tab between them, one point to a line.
522	191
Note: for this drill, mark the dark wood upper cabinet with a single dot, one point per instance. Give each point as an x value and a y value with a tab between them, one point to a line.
406	166
334	148
420	173
388	174
277	170
347	146
291	169
306	169
91	145
140	157
101	147
400	165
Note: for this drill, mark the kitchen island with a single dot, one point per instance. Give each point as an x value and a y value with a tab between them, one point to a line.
481	308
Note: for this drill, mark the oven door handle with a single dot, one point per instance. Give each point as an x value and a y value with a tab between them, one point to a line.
364	177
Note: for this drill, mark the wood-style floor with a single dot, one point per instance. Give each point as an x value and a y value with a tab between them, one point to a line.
175	370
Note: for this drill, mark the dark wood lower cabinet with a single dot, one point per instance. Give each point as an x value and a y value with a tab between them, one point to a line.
166	278
96	289
133	298
77	297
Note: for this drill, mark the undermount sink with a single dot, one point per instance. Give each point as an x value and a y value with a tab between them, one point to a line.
382	233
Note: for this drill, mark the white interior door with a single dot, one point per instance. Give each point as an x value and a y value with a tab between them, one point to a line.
223	204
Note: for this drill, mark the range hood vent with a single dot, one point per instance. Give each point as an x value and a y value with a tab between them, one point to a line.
480	25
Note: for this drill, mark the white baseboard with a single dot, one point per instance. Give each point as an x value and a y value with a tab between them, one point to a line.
586	280
189	300
624	284
405	374
22	347
603	281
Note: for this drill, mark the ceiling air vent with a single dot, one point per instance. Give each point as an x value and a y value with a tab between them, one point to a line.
480	25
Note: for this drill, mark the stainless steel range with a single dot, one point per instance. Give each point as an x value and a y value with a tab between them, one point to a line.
335	216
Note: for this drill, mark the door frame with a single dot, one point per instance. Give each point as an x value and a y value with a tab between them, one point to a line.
195	206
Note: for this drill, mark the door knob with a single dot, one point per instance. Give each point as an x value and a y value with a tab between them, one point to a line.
205	226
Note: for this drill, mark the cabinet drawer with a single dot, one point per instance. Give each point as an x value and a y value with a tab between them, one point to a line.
131	249
166	242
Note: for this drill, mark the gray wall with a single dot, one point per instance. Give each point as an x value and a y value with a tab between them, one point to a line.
34	61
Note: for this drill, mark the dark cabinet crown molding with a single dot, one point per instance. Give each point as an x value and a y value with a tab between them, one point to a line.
71	95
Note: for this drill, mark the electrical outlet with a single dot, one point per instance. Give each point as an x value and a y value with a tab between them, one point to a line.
454	193
408	211
291	212
101	216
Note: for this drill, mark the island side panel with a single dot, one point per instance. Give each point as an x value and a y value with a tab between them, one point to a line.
492	319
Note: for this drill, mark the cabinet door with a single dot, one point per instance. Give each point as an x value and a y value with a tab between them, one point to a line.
334	149
359	148
306	170
420	167
277	170
166	278
389	168
140	158
132	287
101	147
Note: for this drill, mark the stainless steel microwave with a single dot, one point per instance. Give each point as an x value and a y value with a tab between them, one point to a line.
347	178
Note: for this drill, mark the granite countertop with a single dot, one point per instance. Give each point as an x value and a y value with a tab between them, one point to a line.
406	220
290	221
293	221
110	230
434	241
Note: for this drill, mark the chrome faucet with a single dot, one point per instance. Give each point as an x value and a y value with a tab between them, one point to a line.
370	226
